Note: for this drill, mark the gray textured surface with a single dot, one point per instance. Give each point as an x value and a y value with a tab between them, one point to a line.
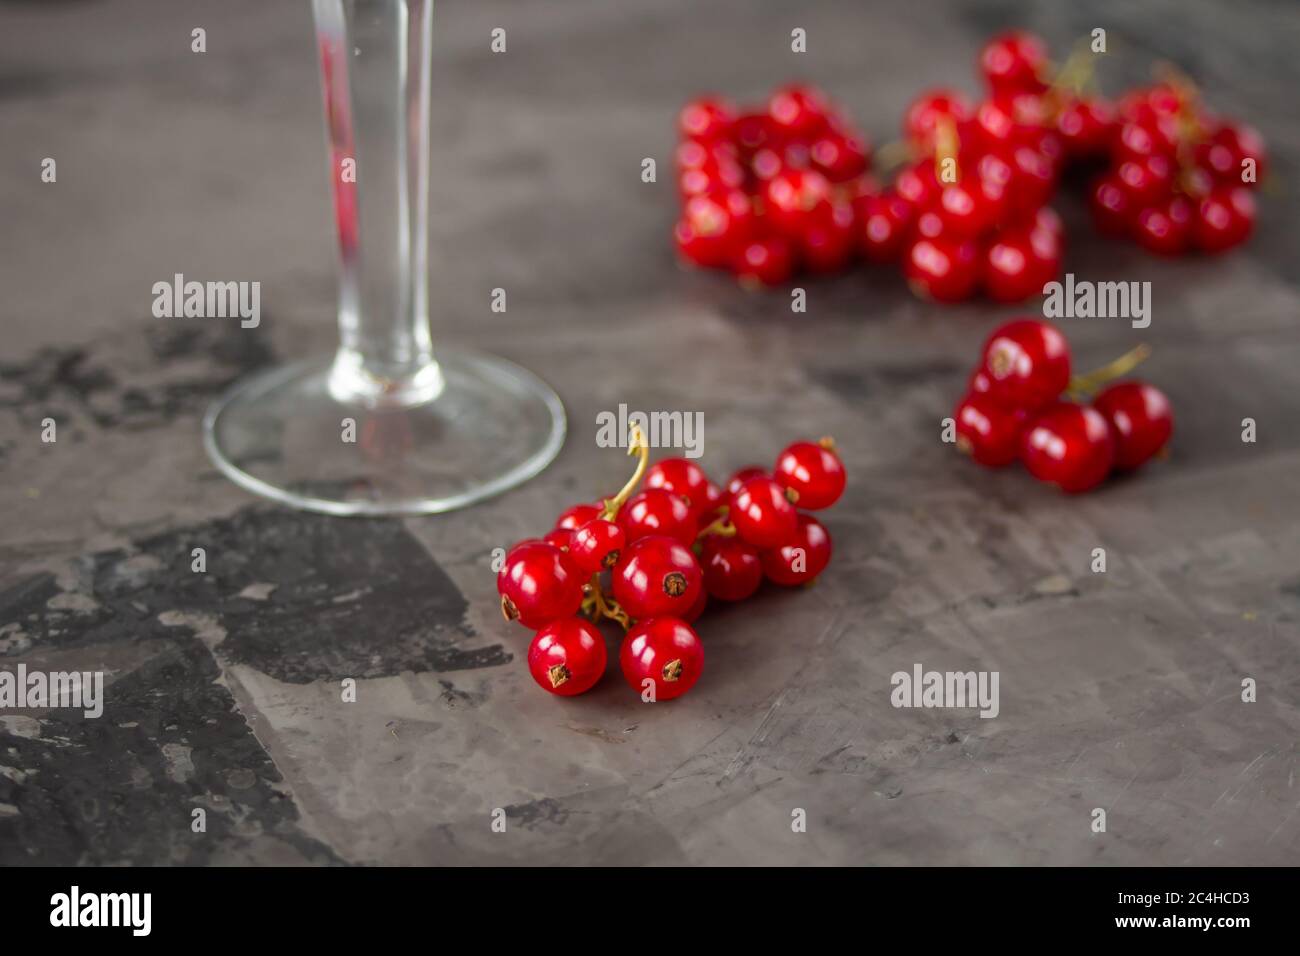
1118	691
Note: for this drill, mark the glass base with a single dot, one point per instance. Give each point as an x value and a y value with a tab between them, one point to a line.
282	434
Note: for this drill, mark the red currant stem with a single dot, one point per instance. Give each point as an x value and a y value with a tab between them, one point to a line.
1190	129
1086	385
720	525
827	442
892	155
608	608
636	446
946	146
1075	75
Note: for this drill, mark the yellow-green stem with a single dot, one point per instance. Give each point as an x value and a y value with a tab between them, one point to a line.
947	144
608	608
636	446
720	525
892	155
1090	382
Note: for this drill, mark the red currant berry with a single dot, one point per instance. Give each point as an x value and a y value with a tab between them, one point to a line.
1068	445
683	478
917	184
596	545
1137	141
1166	229
795	197
838	157
1147	181
813	472
1033	180
1045	252
1087	126
765	261
662	659
714	498
732	570
1028	364
765	164
1011	272
742	476
539	584
1014	61
798	111
753	131
1048	221
1112	210
994	127
1147	104
1047	143
978	383
927	111
578	515
567	657
883	222
1225	152
655	511
928	225
656	576
995	170
708	118
800	559
1029	113
859	189
794	155
723	174
827	242
558	538
692	154
701	602
714	226
969	209
942	268
1224	219
762	513
1140	419
987	431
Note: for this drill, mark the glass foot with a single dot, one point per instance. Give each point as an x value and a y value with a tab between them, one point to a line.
283	435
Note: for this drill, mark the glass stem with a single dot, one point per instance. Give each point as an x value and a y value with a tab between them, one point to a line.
375	58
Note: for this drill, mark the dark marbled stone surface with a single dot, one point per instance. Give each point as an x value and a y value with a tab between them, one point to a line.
226	689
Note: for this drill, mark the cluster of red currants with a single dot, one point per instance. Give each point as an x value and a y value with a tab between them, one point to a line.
1013	409
971	213
1179	178
767	191
772	190
651	559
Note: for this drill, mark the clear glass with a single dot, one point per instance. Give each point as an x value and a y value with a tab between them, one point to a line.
383	426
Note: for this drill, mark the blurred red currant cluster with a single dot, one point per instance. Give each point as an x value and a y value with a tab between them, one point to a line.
787	186
1179	178
651	559
1014	410
767	192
